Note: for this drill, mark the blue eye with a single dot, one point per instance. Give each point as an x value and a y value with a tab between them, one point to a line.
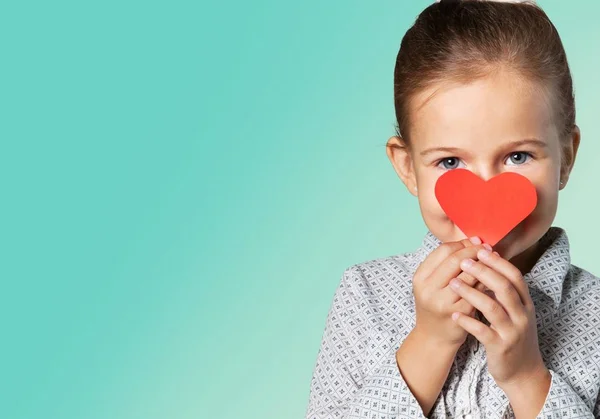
514	159
518	158
449	163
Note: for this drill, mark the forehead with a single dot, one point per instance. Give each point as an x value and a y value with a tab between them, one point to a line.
499	108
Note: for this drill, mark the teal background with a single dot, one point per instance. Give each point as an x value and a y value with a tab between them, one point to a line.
183	184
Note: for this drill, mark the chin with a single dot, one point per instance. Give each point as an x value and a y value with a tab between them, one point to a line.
508	248
519	239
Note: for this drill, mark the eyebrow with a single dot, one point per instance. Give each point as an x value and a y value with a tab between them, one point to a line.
526	141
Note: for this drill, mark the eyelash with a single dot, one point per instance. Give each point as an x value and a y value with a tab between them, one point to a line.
529	155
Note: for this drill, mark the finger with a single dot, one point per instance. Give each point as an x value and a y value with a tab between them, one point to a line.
508	270
463	306
484	334
450	267
442	252
467	279
479	286
493	311
459	303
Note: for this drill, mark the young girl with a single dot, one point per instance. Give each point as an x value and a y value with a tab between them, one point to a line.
456	328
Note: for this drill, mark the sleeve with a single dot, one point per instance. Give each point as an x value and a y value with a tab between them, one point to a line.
340	387
564	403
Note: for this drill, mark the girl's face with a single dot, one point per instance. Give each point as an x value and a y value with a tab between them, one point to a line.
493	125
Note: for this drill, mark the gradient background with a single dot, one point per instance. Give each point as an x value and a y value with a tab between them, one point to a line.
183	184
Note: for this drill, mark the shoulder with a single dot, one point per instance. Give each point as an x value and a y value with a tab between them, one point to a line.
389	270
580	294
579	274
583	283
380	290
568	340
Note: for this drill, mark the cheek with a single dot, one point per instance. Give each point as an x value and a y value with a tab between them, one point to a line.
547	200
545	180
434	216
427	201
430	207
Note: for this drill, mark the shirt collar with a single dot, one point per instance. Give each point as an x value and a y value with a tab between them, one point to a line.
549	272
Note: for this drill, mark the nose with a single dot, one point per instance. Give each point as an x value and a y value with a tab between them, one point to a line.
485	171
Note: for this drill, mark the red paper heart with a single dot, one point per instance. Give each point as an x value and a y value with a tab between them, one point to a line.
487	209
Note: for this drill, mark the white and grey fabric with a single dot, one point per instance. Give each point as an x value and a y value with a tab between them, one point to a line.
356	376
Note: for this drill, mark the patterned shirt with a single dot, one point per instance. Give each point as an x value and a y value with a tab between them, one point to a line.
373	310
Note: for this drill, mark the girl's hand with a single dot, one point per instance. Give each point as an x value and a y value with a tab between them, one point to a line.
434	299
511	340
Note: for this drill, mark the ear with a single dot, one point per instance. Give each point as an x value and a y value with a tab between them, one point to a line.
568	157
399	154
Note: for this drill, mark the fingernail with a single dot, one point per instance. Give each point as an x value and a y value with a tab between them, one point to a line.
487	246
475	240
455	283
467	263
497	253
483	253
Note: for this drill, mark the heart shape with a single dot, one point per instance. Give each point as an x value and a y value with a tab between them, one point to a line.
487	209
